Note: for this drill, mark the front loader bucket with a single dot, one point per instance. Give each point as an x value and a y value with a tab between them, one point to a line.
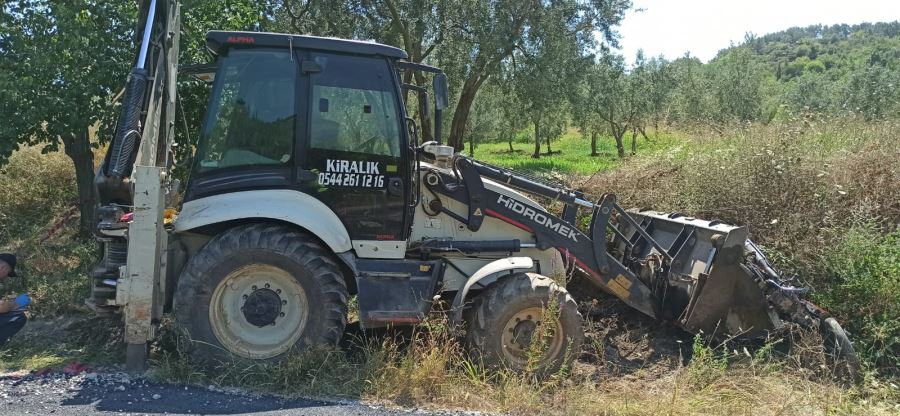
707	288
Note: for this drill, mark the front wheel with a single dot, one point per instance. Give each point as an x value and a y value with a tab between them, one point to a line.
525	322
840	350
259	291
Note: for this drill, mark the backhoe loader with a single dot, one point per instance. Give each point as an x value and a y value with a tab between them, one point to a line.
309	186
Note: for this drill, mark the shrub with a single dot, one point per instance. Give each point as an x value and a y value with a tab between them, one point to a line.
864	275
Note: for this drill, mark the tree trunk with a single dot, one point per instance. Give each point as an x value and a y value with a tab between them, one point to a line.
461	115
78	147
510	142
537	139
549	150
618	132
633	141
594	144
644	133
424	117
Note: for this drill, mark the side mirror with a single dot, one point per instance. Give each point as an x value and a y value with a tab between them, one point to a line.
441	92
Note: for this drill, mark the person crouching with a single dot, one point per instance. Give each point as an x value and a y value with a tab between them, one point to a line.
12	309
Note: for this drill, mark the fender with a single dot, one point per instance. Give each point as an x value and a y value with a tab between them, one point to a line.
496	266
290	206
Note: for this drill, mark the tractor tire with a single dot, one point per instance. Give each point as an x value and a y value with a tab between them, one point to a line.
839	350
258	292
505	316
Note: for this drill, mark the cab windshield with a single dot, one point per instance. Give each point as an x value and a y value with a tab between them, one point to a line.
251	118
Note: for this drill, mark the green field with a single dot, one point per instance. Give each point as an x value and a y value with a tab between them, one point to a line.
574	155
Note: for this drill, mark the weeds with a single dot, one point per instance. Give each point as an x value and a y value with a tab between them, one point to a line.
707	364
38	193
822	198
864	271
431	369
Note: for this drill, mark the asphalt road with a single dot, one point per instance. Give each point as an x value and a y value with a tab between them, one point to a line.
93	394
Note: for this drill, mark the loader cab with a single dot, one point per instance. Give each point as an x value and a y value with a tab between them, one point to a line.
316	115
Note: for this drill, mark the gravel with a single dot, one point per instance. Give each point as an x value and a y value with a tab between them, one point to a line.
120	393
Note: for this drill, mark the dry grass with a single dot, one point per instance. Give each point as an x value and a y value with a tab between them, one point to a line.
38	223
794	185
432	371
822	197
37	189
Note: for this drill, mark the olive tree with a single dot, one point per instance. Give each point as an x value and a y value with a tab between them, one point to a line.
63	63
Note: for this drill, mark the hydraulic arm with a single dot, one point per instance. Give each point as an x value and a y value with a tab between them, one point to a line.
667	266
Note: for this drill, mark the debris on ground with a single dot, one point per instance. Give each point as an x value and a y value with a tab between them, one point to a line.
624	344
56	392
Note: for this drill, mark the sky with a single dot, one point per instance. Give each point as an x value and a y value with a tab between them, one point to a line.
703	27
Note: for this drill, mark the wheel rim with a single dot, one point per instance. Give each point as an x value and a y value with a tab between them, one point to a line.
518	334
258	311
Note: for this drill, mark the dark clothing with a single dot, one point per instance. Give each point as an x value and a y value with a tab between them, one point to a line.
10	323
10	259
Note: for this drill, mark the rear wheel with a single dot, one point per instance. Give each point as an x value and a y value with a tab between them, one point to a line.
525	321
259	291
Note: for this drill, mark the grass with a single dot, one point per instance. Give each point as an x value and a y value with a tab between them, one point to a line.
433	371
574	153
38	223
53	343
863	272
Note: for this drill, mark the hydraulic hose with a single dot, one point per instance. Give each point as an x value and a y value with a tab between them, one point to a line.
128	127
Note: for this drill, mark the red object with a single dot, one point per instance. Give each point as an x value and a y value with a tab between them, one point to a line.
503	218
127	217
75	368
241	39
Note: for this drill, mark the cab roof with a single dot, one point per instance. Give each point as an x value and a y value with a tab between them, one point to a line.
220	41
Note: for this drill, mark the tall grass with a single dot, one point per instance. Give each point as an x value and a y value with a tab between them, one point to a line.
823	198
863	275
37	189
38	223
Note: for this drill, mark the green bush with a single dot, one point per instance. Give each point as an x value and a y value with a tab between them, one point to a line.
864	275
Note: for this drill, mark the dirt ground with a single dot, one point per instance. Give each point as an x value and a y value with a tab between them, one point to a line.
624	344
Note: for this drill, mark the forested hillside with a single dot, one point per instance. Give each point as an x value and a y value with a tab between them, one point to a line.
833	69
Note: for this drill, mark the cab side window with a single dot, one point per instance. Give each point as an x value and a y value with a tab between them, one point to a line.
354	107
